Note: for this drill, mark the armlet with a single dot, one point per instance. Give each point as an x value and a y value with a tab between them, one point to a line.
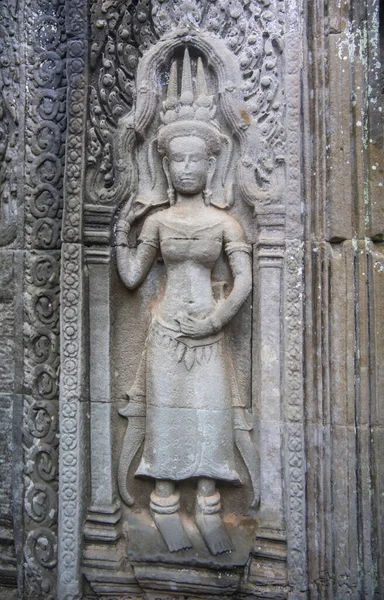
231	247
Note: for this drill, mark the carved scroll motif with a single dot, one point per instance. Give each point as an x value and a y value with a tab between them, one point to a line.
45	125
41	423
45	131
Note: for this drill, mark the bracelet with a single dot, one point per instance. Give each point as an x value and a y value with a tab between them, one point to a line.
121	237
122	226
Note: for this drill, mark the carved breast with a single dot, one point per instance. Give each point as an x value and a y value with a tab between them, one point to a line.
200	245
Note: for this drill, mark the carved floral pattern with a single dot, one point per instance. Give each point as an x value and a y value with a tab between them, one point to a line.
77	93
70	395
295	414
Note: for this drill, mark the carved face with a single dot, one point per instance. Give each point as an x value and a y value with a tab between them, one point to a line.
188	164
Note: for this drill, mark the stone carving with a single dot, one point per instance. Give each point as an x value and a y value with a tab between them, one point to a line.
76	112
9	413
45	124
252	32
45	133
186	386
294	412
120	34
9	94
71	383
41	422
7	325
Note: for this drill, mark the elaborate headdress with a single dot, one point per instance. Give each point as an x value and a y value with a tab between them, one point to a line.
192	112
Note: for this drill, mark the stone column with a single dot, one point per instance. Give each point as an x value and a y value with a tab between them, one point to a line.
104	511
269	265
344	301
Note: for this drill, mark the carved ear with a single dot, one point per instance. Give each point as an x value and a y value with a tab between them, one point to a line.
166	169
211	170
171	191
208	189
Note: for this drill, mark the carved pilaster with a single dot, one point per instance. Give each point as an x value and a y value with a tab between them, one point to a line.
103	520
268	298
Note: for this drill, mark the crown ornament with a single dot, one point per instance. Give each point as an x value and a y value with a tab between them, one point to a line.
190	112
190	104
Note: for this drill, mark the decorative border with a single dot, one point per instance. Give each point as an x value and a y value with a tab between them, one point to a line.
72	372
45	123
77	109
293	119
294	447
40	422
294	417
71	382
45	131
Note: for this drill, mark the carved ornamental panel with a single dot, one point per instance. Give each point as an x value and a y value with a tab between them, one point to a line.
181	407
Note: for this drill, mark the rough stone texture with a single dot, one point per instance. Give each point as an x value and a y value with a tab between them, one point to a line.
344	353
298	89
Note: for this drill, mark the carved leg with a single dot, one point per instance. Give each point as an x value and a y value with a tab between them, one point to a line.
208	518
165	504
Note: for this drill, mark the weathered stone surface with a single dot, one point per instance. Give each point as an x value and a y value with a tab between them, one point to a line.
191	300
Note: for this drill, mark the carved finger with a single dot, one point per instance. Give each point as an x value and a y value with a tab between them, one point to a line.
187	330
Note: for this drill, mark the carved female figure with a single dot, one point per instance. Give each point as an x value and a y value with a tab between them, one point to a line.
185	372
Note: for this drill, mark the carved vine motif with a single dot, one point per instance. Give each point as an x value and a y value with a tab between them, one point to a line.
41	422
45	123
252	32
120	35
9	94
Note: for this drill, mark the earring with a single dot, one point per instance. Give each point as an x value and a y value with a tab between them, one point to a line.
207	195
171	195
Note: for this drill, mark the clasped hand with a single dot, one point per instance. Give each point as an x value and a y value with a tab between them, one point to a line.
194	327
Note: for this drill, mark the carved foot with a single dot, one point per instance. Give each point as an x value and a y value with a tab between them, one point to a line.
210	524
167	518
172	530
